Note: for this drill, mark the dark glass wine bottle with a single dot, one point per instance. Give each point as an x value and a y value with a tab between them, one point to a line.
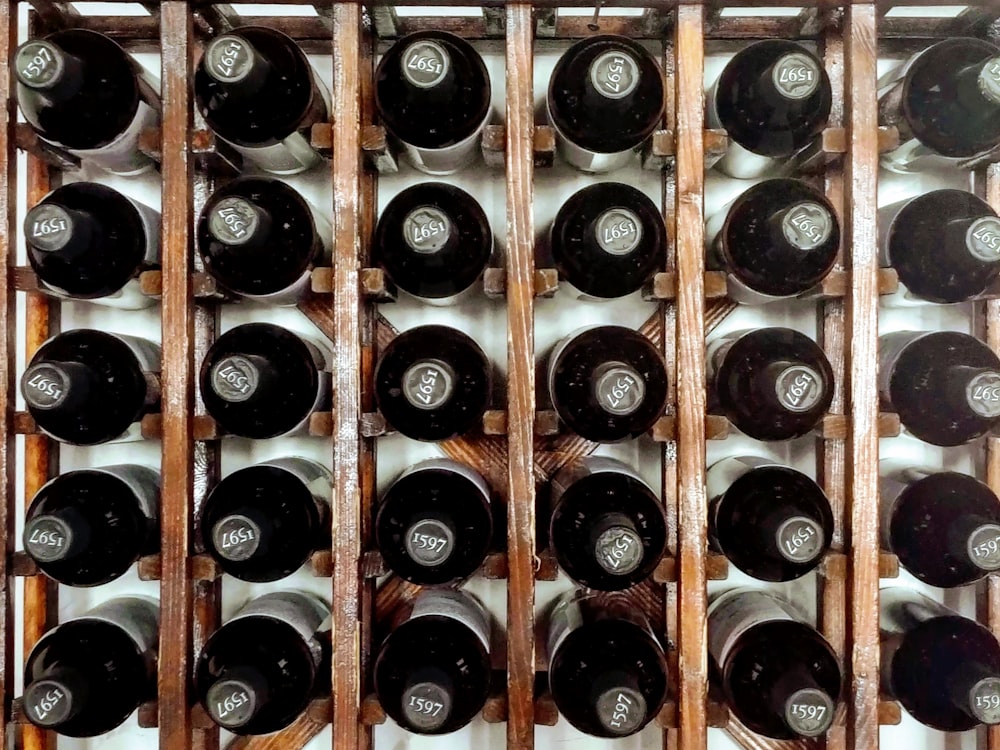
434	524
257	672
81	92
779	675
258	92
773	99
607	670
943	526
432	91
607	240
88	241
945	103
943	668
87	527
944	385
607	383
433	383
434	241
261	239
87	387
262	522
774	523
771	383
432	673
605	99
945	245
260	381
608	529
87	675
778	239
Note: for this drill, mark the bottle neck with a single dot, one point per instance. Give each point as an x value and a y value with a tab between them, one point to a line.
59	386
234	63
616	543
237	697
428	699
789	385
241	378
47	71
974	238
790	81
973	391
618	702
976	539
977	88
57	536
791	535
57	697
68	232
802	704
974	688
242	535
801	227
240	224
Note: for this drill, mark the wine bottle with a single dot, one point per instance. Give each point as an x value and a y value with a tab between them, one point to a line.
262	522
608	529
780	677
771	383
257	672
433	383
85	676
944	385
87	387
88	241
607	383
607	670
259	380
945	245
607	240
945	103
943	668
778	239
943	526
432	91
773	99
434	524
605	99
81	92
87	527
261	239
774	523
432	673
258	92
434	241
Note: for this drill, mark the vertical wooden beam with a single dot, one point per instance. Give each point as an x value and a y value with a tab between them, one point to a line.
862	311
520	380
348	731
691	501
177	311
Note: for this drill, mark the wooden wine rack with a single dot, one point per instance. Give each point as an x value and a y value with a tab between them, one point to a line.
519	445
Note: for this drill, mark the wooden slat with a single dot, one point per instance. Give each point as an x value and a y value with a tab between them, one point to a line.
862	399
178	375
520	380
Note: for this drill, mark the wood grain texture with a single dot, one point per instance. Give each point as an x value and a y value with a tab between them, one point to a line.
520	379
691	501
862	399
178	374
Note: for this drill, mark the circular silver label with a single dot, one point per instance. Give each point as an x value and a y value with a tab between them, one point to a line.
984	699
45	386
47	538
989	80
807	225
798	388
231	703
800	539
618	550
48	227
621	710
428	384
48	703
983	394
426	229
809	712
429	542
236	538
39	64
425	63
228	58
983	239
614	74
426	705
984	547
796	75
619	389
233	220
235	379
618	231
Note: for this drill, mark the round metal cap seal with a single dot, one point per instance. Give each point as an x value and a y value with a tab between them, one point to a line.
231	703
807	225
809	712
236	538
426	229
984	699
425	63
45	386
47	538
426	705
800	539
48	227
48	702
234	220
798	388
621	710
984	547
618	550
983	239
614	74
429	542
983	394
235	379
618	231
796	75
229	58
39	64
989	80
428	384
619	389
